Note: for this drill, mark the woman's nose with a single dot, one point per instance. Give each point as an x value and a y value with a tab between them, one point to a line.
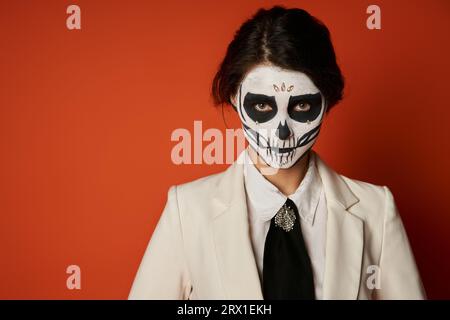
283	131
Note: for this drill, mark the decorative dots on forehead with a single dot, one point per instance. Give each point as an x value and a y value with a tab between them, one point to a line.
283	88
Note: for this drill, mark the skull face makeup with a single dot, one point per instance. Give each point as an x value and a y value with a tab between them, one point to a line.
281	113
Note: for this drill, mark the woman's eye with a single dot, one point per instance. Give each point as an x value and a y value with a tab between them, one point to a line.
302	107
262	107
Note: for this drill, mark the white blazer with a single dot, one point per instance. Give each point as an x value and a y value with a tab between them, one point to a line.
201	247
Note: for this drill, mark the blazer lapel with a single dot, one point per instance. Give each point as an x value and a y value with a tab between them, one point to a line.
345	237
239	273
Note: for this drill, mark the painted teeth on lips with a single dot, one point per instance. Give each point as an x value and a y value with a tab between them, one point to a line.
281	150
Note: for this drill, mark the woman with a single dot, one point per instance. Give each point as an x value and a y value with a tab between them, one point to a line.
279	223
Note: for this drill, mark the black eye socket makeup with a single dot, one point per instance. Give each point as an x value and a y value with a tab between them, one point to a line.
315	106
252	100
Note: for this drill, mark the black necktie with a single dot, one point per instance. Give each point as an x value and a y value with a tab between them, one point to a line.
287	271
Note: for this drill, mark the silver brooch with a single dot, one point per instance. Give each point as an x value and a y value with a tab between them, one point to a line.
285	218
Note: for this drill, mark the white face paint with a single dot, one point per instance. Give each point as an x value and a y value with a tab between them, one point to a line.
281	113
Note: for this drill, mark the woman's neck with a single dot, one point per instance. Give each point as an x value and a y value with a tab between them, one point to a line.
286	180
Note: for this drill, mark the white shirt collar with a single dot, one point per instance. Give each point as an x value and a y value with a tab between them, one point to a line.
265	199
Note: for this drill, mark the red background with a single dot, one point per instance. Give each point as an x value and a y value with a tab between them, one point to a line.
86	118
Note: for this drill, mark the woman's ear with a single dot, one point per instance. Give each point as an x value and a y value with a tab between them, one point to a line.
233	102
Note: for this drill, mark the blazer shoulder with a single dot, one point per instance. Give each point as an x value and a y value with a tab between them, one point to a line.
352	193
194	198
373	199
365	189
